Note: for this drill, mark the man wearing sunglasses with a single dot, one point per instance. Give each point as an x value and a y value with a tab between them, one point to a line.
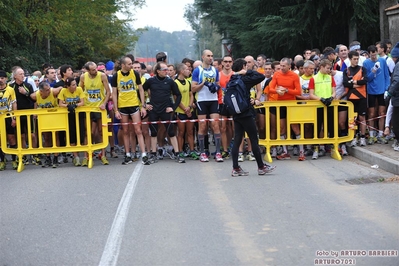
161	107
226	129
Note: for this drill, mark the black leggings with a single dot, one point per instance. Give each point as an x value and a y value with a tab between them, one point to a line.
153	117
241	125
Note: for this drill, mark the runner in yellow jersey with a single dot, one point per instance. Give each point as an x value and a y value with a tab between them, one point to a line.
185	111
96	87
46	97
8	102
127	103
145	128
72	97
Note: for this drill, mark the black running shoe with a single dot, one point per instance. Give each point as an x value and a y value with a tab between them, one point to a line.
47	162
127	160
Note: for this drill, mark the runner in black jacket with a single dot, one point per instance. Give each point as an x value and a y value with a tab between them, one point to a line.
161	107
245	122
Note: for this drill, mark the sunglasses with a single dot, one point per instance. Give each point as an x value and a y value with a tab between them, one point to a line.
163	69
227	61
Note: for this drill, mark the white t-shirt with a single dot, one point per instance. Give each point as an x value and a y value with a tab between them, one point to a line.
209	74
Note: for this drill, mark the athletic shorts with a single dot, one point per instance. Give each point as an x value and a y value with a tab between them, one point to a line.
183	116
283	111
95	116
261	111
9	129
223	110
342	108
372	100
129	110
208	107
360	106
24	124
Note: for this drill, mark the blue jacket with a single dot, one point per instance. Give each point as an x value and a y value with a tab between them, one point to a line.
377	83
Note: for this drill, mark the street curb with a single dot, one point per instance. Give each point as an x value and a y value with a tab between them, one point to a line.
373	158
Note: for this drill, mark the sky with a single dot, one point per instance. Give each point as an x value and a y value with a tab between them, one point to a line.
165	15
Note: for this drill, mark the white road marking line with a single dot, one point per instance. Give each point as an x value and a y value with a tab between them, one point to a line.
112	247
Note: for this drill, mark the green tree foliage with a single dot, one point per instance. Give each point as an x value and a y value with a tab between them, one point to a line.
287	27
58	31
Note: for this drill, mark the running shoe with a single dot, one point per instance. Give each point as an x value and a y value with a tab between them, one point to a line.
354	142
14	165
127	160
395	143
204	157
114	154
133	157
382	140
239	172
322	152
308	152
240	157
145	159
171	154
160	154
65	159
180	158
153	158
104	160
84	162
2	166
301	156
295	151
225	155
218	157
370	141
55	162
274	152
344	152
284	156
194	155
396	146
47	162
25	160
266	169
362	142
315	155
36	160
76	161
250	157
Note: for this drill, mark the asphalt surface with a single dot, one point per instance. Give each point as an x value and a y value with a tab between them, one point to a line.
197	214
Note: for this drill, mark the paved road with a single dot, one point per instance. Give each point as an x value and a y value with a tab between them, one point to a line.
196	214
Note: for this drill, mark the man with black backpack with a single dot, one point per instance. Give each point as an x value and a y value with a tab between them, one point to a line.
244	114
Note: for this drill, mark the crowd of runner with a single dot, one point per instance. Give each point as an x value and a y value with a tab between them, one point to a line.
138	97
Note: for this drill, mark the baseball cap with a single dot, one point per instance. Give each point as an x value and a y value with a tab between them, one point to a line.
109	66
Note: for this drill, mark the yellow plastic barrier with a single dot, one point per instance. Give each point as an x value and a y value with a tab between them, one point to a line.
305	112
52	121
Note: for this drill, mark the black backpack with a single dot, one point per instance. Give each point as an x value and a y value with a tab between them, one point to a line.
236	98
